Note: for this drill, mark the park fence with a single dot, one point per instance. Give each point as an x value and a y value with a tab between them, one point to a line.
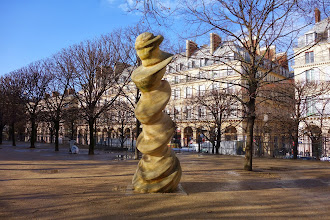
116	144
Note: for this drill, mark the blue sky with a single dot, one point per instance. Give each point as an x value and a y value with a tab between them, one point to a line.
35	29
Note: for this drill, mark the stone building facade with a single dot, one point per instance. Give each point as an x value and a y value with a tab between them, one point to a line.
312	65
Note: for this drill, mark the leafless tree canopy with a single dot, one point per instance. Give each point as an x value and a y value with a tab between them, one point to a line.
88	76
248	25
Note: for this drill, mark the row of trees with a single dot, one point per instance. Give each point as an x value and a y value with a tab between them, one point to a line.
80	82
90	67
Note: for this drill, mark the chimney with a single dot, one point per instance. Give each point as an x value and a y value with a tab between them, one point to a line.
69	91
247	44
282	60
55	93
317	15
215	41
270	54
190	48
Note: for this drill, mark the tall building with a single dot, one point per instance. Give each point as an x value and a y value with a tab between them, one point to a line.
217	70
312	66
204	81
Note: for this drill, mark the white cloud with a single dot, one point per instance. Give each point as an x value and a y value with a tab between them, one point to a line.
131	4
110	1
107	3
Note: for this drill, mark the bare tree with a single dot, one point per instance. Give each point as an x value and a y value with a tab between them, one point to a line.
98	67
316	106
213	108
274	116
249	24
2	108
301	105
15	110
131	95
35	80
71	116
60	68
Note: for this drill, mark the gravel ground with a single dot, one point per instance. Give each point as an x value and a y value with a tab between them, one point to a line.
43	184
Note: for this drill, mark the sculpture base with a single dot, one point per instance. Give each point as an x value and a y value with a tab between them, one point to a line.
178	191
157	173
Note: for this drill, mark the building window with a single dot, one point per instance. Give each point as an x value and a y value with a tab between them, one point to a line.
176	113
193	64
229	71
179	67
176	93
188	78
310	105
206	61
310	38
203	112
200	75
188	112
215	86
310	75
199	112
215	73
188	92
201	63
176	80
201	90
309	57
230	87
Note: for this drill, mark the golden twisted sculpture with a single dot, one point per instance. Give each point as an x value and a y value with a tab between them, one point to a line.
159	169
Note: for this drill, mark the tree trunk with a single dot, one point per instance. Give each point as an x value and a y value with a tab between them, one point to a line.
218	138
249	129
138	124
295	143
72	130
51	135
57	128
91	137
315	147
213	146
12	131
122	137
249	144
217	146
137	152
33	133
1	129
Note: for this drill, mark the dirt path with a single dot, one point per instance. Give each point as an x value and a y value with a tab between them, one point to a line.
43	184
